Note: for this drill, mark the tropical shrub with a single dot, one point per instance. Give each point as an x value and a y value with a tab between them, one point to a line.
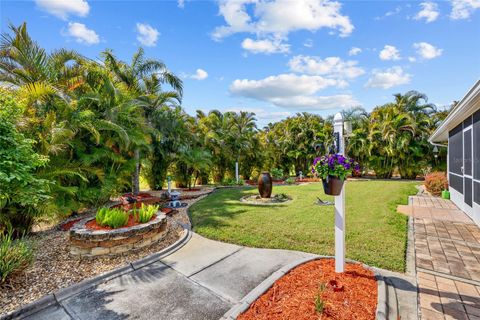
334	165
277	173
15	255
114	217
290	180
436	182
233	182
145	212
23	195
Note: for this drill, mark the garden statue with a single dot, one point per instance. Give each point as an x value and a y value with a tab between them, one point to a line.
265	185
169	179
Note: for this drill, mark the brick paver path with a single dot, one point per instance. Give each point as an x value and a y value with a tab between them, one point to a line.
447	258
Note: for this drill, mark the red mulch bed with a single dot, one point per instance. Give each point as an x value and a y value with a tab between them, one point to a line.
92	224
191	190
140	196
68	225
138	204
167	211
293	296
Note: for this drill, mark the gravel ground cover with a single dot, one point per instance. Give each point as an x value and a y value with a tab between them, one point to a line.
54	268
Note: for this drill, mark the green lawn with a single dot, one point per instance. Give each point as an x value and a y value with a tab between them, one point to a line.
376	234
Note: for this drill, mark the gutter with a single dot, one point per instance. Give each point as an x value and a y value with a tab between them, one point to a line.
456	115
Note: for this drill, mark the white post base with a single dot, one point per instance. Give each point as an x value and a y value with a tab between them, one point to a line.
340	232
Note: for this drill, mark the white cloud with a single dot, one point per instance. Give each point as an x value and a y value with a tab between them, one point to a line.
463	9
308	43
82	34
147	35
317	102
181	4
266	46
354	51
390	13
279	17
388	78
200	74
63	8
429	12
427	51
389	53
333	67
264	114
293	91
412	59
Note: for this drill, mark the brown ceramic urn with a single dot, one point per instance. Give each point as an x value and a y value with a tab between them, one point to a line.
265	185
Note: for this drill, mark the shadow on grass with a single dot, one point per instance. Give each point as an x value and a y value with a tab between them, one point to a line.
207	212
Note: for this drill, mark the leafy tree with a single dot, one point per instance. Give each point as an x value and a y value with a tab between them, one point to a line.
22	194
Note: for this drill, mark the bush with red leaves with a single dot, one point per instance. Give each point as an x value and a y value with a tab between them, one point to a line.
436	182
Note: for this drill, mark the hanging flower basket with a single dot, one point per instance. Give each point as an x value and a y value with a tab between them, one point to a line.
333	169
332	185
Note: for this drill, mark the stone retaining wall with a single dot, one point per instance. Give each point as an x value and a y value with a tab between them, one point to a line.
87	243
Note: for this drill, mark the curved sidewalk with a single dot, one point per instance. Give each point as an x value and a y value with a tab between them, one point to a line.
202	280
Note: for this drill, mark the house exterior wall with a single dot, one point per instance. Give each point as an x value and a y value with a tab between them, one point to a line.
464	165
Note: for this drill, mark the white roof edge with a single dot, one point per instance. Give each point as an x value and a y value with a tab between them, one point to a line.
463	109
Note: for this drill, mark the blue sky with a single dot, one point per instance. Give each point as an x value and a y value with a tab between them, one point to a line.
276	58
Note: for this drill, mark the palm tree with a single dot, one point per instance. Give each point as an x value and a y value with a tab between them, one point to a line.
143	79
195	160
214	135
241	133
80	119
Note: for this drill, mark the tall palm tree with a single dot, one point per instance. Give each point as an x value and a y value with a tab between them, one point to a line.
143	79
241	133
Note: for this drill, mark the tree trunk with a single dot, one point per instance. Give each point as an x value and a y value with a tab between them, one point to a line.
136	174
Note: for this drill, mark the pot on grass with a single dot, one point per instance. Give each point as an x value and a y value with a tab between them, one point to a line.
332	185
265	185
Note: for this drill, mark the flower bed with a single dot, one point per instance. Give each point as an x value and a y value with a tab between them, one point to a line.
86	241
308	292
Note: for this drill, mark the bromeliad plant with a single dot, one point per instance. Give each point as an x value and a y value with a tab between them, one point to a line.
145	213
334	165
114	218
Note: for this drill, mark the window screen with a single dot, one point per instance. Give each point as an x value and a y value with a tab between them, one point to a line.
476	145
455	150
456	182
467	152
468	191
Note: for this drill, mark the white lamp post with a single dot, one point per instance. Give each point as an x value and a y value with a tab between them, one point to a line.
339	200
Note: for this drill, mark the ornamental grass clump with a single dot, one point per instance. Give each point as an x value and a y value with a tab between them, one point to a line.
114	218
15	255
145	213
334	165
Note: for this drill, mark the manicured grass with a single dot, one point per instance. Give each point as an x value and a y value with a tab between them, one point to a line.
376	233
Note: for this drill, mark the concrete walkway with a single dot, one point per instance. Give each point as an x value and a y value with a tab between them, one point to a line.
202	280
447	259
